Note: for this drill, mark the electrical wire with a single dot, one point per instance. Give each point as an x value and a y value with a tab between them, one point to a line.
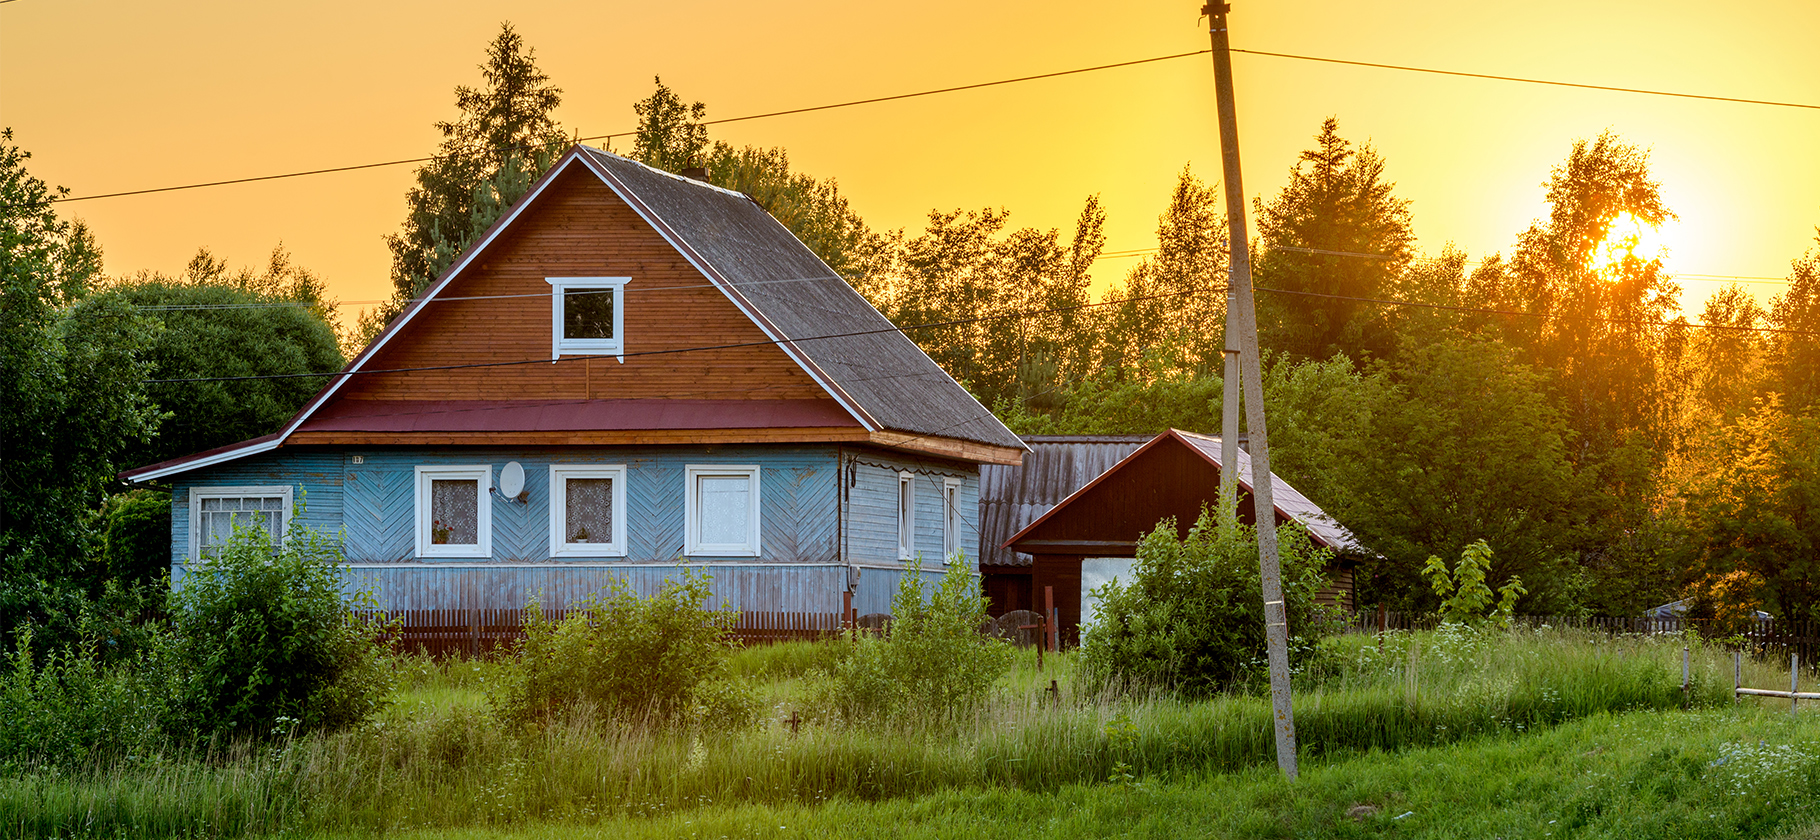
1527	81
953	89
677	350
984	318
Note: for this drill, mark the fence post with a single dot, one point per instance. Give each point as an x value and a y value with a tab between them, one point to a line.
1052	634
1737	673
1686	686
1794	681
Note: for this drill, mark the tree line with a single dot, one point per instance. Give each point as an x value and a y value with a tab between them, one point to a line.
1553	402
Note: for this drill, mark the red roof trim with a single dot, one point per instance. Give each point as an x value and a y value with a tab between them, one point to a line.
163	468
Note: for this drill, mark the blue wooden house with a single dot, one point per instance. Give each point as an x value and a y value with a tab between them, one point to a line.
629	372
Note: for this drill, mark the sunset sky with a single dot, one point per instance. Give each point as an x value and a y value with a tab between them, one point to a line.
116	96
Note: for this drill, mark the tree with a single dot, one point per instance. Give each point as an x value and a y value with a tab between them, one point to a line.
671	137
1337	201
1598	300
670	134
1795	355
504	139
1173	308
72	395
1456	442
966	268
222	323
1753	504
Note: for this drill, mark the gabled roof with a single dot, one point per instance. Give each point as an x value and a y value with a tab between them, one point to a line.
887	385
855	351
1055	467
1289	502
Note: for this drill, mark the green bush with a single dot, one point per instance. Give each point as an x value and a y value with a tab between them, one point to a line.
66	708
660	659
934	666
264	639
1192	618
136	547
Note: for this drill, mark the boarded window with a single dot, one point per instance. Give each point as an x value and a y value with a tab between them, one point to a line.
721	511
726	502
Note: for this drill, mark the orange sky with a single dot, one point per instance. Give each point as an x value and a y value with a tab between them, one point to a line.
114	96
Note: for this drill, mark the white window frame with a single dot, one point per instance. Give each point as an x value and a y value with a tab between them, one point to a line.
559	510
614	346
483	512
260	491
952	523
906	515
692	546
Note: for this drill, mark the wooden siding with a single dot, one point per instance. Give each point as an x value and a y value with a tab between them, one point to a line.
316	488
872	505
579	228
758	587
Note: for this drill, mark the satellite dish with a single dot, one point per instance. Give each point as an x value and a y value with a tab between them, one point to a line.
512	480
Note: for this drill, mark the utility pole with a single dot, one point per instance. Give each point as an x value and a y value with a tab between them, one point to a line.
1241	318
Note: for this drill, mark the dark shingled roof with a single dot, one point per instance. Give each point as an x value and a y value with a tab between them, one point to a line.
1013	497
799	298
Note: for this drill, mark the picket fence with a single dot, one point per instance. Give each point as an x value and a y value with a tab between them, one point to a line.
478	632
1770	637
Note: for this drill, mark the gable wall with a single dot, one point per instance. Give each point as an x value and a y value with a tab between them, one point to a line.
579	228
1165	481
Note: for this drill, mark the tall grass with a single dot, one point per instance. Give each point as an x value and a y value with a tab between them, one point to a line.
438	758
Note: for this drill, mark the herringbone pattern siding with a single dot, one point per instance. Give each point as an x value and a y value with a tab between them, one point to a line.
378	511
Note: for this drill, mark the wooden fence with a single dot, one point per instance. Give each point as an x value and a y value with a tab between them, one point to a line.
476	632
1763	638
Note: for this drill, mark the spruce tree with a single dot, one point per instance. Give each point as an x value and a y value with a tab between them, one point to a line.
504	139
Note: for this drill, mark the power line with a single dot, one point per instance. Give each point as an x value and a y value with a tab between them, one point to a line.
1528	81
1486	311
953	89
678	350
869	101
178	307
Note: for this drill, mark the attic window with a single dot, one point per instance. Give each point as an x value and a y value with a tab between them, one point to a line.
587	316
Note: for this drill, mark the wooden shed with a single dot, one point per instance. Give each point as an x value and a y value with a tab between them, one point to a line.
1173	475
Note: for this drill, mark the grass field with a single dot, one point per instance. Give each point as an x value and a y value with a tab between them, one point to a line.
1470	736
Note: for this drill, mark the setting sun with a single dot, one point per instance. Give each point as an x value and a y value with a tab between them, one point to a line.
1631	237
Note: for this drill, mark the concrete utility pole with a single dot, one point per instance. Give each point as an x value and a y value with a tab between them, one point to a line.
1241	319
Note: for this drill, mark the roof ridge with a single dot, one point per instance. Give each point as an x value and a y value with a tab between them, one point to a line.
668	174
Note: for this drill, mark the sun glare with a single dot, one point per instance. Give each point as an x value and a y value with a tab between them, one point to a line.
1632	237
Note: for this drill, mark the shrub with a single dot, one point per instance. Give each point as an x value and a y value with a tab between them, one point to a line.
1465	597
67	708
136	547
662	658
935	665
264	638
1192	618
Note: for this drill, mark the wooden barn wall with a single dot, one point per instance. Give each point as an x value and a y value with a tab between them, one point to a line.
872	505
1166	481
579	228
